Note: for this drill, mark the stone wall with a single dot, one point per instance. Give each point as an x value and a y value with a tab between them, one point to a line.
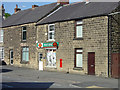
12	40
95	39
114	36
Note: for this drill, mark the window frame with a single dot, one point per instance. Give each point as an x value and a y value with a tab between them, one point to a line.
2	53
22	33
75	61
22	54
76	29
50	32
1	35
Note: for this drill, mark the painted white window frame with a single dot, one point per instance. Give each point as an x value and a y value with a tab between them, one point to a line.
1	35
25	54
51	32
24	31
2	53
79	24
79	64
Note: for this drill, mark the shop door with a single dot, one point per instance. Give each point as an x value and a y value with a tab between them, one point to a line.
11	57
51	58
115	65
40	62
91	63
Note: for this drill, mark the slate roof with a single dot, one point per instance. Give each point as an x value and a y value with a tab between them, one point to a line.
81	10
29	15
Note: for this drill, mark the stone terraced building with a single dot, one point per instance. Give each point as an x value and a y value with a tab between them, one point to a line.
81	38
2	17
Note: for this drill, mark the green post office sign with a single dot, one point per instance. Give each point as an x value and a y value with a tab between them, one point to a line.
47	45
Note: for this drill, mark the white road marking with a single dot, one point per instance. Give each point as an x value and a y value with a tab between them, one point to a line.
57	84
74	86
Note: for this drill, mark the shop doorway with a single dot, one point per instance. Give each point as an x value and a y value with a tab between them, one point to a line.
91	63
11	57
51	58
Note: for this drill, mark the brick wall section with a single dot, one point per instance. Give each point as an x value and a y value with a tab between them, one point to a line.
95	39
12	40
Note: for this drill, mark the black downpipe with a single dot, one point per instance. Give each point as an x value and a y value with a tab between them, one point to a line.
108	44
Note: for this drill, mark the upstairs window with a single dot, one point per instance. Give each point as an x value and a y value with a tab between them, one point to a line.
51	32
24	33
1	35
79	29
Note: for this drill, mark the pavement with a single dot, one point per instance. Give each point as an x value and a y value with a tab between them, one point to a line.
19	77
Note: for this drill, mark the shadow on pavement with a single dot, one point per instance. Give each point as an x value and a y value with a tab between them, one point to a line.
26	85
5	70
3	63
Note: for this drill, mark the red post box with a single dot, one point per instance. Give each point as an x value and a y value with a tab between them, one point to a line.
60	63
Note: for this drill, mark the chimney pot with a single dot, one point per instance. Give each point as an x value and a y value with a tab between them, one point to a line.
63	2
33	6
17	9
2	6
16	6
3	11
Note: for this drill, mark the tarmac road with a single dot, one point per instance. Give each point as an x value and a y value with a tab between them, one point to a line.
17	77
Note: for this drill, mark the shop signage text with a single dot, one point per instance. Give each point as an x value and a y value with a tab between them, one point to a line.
47	45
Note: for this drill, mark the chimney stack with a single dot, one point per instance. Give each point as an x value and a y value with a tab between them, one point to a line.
63	2
17	9
3	11
34	6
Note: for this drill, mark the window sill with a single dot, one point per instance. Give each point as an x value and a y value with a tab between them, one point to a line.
50	40
78	39
23	41
52	67
24	62
78	68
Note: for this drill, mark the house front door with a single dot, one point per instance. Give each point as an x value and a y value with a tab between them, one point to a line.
40	62
11	57
115	65
91	63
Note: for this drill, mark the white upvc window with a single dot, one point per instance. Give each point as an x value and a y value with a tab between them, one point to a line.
1	35
1	53
51	32
79	29
78	58
25	54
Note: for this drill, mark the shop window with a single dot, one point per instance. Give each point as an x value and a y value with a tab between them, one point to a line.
24	33
1	53
51	58
1	35
51	32
79	29
78	58
25	54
